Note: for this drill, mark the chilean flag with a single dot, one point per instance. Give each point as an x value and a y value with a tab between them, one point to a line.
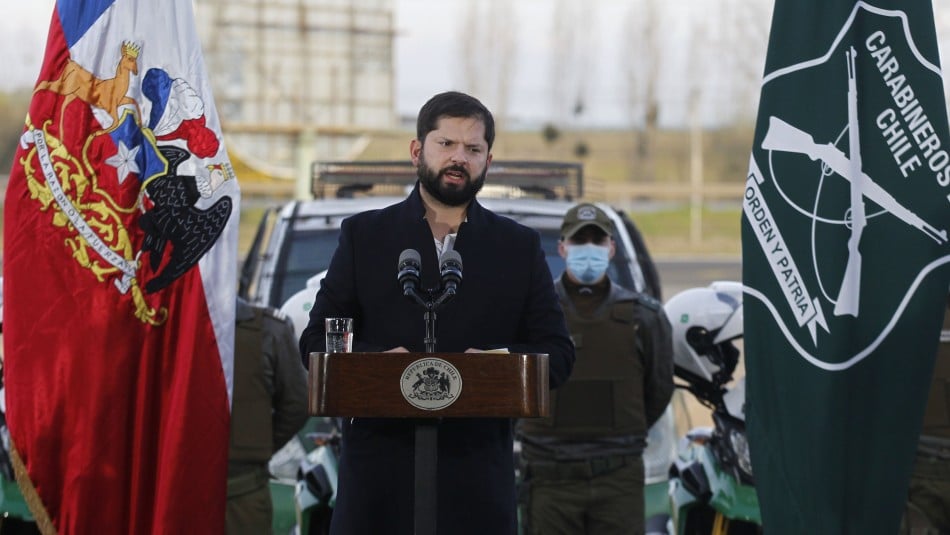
119	272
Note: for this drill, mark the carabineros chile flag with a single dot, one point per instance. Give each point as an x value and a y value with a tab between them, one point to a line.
845	253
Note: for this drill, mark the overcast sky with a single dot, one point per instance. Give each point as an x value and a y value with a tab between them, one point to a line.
429	52
23	29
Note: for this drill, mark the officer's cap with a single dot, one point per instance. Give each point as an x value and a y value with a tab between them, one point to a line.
582	215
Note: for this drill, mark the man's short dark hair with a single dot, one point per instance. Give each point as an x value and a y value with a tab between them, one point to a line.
453	104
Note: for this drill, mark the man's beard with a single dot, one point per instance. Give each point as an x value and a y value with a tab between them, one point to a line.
446	193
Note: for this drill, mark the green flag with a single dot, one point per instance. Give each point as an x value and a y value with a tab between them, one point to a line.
845	260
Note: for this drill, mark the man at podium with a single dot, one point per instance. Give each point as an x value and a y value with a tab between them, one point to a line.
506	301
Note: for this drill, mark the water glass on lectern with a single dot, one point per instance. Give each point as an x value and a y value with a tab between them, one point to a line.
339	335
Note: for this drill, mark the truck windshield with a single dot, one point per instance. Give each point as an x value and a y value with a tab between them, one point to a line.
308	253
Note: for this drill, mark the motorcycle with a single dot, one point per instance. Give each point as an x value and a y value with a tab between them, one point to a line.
711	486
303	490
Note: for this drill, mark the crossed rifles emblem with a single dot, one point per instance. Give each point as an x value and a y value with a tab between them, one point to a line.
782	136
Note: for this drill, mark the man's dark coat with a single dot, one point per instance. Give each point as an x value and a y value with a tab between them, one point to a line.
505	300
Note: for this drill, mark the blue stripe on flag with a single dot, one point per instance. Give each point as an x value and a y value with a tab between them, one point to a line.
156	86
77	16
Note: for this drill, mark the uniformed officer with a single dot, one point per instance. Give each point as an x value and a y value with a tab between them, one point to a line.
928	509
583	467
269	406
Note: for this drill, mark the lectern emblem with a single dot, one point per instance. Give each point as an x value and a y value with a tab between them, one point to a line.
431	384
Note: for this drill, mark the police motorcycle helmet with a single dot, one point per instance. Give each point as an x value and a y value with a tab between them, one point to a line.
705	323
297	307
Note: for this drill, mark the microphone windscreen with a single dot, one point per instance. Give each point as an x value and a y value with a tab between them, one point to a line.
409	255
451	256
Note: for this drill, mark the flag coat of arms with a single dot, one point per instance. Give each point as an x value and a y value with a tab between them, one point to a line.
845	253
120	232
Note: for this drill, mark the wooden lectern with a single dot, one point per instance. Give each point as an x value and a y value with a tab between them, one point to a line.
429	386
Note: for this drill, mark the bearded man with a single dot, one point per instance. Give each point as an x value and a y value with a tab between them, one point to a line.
511	305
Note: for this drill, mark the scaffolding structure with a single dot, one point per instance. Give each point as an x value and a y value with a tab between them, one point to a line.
299	76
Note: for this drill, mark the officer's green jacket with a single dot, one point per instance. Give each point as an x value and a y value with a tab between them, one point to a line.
621	383
270	387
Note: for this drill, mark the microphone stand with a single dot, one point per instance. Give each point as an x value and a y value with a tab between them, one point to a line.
426	447
430	328
430	305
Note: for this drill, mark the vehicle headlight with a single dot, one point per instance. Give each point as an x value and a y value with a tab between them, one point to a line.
740	446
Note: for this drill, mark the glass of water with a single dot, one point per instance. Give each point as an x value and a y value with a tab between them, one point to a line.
339	335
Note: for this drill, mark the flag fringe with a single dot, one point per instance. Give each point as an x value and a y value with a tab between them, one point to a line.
33	502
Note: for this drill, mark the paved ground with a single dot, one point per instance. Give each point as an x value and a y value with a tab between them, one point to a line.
678	274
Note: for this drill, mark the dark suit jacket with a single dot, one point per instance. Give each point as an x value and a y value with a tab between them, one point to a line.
506	299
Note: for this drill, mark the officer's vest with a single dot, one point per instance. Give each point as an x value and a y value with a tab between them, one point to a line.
604	395
251	434
937	415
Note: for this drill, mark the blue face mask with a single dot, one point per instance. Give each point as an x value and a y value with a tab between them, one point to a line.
587	263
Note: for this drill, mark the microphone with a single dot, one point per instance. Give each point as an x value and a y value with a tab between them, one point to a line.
450	266
409	269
